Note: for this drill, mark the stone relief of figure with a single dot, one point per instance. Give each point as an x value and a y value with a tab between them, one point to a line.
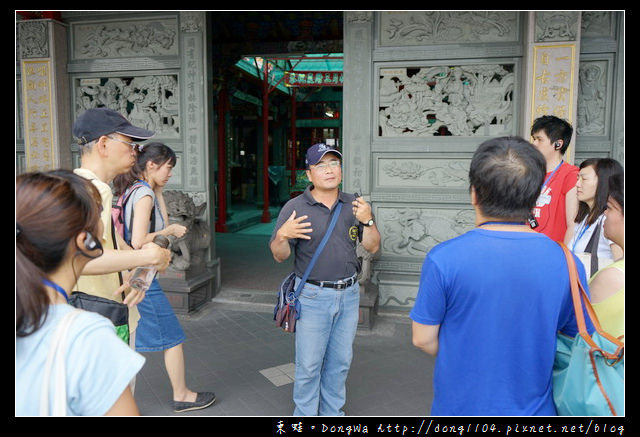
591	100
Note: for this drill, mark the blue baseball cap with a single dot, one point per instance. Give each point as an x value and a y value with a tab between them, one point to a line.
317	151
96	122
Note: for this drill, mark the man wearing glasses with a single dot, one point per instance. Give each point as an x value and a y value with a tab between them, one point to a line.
330	298
107	148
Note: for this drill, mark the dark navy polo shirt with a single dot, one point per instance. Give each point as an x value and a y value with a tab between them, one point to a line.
338	259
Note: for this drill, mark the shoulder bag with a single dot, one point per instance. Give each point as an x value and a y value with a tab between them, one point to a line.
588	372
115	311
287	309
589	257
56	362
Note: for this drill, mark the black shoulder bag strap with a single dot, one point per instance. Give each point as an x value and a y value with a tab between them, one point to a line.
592	247
334	219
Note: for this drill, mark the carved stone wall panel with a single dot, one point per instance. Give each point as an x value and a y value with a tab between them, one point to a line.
32	39
397	290
421	172
409	231
598	31
438	145
600	101
412	231
461	100
594	96
421	196
557	26
598	24
416	28
149	101
125	38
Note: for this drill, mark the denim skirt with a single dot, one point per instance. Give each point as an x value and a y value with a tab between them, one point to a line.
158	328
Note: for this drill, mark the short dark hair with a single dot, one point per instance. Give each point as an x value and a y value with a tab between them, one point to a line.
610	179
507	174
555	128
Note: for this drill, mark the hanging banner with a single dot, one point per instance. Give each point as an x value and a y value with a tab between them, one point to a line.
313	78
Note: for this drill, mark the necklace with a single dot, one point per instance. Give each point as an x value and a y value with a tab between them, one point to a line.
501	223
58	288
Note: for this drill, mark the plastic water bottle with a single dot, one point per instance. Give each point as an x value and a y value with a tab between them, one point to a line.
142	276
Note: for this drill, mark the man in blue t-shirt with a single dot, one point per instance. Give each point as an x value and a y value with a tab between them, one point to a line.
491	301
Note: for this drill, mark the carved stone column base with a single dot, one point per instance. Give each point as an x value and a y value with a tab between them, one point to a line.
189	293
368	305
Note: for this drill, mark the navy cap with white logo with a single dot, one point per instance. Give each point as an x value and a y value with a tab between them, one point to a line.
317	151
96	122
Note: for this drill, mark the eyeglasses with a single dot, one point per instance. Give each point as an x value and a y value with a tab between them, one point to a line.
135	146
330	164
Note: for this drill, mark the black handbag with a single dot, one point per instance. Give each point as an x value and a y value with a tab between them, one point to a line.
287	309
117	312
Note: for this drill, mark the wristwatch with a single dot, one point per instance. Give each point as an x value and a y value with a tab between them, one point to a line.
368	223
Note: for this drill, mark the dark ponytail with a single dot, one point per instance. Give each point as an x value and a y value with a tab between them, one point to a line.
51	209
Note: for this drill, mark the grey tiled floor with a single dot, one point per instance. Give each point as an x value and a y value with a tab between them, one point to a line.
234	349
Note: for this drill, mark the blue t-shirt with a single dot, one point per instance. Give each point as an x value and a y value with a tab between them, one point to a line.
99	365
499	298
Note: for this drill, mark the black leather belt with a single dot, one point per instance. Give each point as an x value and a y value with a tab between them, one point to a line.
339	285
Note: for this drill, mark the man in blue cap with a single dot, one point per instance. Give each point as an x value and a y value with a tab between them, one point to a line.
330	298
107	147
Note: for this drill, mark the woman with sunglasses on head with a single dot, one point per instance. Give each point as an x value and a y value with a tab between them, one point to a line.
145	217
57	219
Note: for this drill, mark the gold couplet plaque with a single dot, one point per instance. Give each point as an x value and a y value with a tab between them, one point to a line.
553	81
38	116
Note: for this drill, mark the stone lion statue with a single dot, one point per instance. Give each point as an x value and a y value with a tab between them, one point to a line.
190	251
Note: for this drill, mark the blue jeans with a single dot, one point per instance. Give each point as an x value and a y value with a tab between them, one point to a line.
324	348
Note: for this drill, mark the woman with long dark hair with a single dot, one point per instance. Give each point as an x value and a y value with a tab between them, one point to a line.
57	224
146	216
593	192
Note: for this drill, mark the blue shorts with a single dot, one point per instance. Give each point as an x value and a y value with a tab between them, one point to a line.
158	328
